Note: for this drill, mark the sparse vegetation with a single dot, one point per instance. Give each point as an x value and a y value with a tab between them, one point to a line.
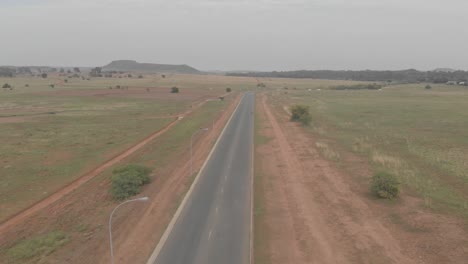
385	185
174	90
404	132
301	113
127	181
327	151
37	247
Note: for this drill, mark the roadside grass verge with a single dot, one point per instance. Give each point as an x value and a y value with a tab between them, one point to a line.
415	134
38	247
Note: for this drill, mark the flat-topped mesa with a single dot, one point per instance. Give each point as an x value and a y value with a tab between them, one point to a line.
134	66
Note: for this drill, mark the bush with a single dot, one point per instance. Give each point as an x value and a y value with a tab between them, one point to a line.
44	75
174	90
300	113
428	87
6	85
228	90
385	185
127	181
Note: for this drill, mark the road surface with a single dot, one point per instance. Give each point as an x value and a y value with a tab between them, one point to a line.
214	225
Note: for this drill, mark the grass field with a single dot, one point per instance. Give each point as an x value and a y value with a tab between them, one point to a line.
51	136
419	135
81	221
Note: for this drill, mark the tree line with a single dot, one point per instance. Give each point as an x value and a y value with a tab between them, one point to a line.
408	76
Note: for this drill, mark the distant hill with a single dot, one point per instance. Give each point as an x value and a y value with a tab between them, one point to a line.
133	66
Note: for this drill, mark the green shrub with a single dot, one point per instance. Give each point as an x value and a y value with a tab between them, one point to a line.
42	245
174	90
301	113
385	185
428	87
127	181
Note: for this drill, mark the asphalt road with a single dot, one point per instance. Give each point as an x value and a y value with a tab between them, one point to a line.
214	225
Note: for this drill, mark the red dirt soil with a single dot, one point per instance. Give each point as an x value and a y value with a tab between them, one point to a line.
317	213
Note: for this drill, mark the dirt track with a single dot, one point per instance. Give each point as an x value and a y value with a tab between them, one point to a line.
326	214
322	220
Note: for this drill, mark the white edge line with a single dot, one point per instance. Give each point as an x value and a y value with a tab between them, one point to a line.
174	219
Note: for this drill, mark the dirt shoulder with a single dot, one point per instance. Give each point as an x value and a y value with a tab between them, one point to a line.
316	212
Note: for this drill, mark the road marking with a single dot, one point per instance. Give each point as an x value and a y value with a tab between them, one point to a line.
209	234
169	228
216	209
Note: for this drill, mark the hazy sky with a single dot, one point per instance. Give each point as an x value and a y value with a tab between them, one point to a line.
237	34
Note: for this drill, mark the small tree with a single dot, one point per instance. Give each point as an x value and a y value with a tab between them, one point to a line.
44	75
129	76
428	87
228	90
65	80
140	76
52	86
163	76
301	113
6	86
174	90
385	185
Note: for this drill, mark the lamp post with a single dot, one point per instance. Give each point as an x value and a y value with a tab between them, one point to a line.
142	199
191	148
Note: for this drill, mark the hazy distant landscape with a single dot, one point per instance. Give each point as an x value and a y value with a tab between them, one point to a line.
234	132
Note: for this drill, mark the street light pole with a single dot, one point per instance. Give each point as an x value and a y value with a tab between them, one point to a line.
191	148
142	199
